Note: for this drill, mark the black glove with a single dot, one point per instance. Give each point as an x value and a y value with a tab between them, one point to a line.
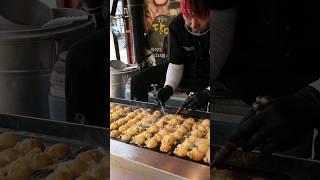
282	124
197	101
163	94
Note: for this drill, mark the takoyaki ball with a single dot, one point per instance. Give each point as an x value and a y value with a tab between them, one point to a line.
90	155
190	121
127	109
195	154
86	177
187	144
59	151
8	140
178	135
41	160
9	154
125	137
160	124
165	147
175	121
197	133
121	121
115	133
202	128
114	125
153	129
34	152
151	143
182	129
164	118
158	137
169	127
187	125
203	148
123	128
181	151
157	114
139	139
19	169
147	134
192	139
60	175
206	122
28	144
170	139
178	117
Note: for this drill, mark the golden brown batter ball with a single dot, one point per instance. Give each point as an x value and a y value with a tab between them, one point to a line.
41	160
114	125
60	175
157	114
8	140
147	134
151	143
195	154
90	155
178	135
165	147
75	167
139	139
59	151
125	137
206	122
115	133
158	137
86	177
28	144
181	151
19	169
153	129
168	139
182	129
9	154
127	109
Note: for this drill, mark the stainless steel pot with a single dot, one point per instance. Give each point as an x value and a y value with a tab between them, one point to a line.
27	57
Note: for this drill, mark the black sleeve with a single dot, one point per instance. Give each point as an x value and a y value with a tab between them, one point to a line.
175	50
221	4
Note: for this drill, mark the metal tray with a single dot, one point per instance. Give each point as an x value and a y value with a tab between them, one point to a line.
78	137
134	104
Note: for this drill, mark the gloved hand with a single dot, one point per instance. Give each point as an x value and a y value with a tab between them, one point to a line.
197	101
282	124
163	94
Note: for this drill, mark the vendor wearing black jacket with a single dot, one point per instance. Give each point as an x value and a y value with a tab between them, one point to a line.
275	52
189	59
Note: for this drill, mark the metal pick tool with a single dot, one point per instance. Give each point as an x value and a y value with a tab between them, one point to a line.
162	110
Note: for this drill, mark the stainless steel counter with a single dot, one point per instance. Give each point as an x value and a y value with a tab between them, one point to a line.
134	163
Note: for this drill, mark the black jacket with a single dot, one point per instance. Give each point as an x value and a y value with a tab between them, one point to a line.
193	52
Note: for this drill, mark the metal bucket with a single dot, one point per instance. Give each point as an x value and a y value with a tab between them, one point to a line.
120	74
26	60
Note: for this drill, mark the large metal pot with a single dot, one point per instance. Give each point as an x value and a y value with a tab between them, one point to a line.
120	75
27	57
